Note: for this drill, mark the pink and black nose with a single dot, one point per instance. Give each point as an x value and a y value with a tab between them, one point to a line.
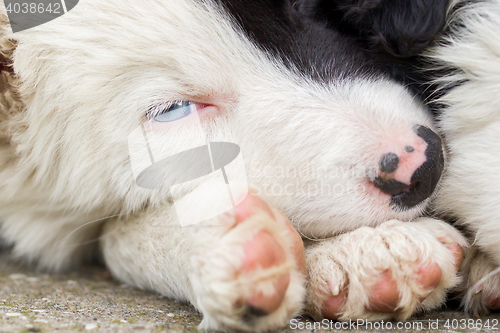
411	175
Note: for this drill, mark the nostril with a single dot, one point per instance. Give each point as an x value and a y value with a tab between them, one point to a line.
389	163
409	149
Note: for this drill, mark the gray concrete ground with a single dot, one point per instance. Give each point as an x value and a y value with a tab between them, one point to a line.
89	300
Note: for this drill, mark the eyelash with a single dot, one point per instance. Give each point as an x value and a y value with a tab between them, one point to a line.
162	109
158	109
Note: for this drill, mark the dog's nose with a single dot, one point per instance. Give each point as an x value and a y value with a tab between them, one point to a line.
408	183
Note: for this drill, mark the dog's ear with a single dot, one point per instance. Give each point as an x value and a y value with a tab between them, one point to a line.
400	27
406	27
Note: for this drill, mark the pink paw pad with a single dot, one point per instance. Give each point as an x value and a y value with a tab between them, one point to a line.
262	252
384	296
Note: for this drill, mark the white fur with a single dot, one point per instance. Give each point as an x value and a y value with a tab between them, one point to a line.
471	125
86	80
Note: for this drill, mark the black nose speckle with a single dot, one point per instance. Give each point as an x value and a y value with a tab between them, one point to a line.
389	163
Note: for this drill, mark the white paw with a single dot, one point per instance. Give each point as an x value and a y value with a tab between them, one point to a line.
251	275
480	288
390	271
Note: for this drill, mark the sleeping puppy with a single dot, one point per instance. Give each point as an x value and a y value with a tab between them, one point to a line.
459	76
139	127
467	59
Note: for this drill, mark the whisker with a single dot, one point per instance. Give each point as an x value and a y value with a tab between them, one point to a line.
109	233
84	225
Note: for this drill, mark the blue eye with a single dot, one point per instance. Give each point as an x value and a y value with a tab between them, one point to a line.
176	111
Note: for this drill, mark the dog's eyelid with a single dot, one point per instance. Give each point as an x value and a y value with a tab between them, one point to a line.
157	109
171	111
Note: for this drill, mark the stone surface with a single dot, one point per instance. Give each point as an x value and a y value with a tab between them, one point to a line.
89	300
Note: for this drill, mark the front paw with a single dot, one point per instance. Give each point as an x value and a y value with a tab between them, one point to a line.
250	277
480	288
391	271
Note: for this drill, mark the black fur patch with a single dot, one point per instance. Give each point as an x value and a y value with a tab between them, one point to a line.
402	28
393	32
279	28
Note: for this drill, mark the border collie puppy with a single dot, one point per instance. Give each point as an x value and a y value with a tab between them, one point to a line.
124	124
461	79
469	56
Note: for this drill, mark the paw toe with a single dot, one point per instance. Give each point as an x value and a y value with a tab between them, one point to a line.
268	302
455	250
429	276
493	303
333	305
384	295
262	251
